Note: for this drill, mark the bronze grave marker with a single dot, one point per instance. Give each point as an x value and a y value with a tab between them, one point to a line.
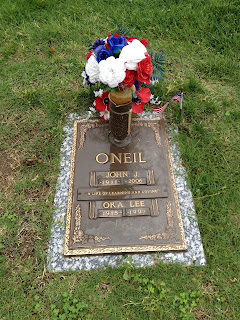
122	199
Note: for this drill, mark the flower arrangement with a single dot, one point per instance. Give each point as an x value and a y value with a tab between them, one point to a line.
119	62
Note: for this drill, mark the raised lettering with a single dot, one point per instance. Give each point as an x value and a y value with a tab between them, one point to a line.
119	158
127	157
120	205
140	158
142	204
105	205
134	157
106	158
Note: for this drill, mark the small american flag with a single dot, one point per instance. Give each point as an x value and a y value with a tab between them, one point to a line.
177	97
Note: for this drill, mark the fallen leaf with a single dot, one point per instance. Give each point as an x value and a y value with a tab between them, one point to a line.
35	178
29	162
46	134
51	50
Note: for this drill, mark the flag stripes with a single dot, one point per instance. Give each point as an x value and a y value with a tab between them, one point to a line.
177	97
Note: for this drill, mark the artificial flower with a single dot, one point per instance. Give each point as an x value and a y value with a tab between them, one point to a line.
143	96
130	78
99	42
112	71
143	41
153	81
92	69
132	54
86	79
107	46
116	44
89	54
130	39
91	112
115	35
98	93
105	114
102	105
102	53
144	69
84	75
154	100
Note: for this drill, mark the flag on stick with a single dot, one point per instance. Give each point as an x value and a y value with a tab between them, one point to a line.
177	97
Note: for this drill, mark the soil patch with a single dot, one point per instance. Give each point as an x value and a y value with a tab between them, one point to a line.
8	165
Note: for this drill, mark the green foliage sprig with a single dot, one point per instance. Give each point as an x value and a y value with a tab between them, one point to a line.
121	30
158	61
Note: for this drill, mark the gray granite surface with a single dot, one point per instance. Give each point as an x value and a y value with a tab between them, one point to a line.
56	260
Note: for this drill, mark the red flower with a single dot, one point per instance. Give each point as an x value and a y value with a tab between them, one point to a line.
130	39
130	78
89	54
144	42
144	69
115	35
107	46
102	105
143	96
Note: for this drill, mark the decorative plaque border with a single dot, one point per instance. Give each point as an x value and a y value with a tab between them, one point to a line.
167	234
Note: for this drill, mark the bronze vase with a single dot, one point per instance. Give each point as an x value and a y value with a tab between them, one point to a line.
120	105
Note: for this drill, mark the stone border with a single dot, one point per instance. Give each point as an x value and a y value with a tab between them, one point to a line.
58	262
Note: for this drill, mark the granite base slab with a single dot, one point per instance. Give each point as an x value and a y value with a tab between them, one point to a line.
58	262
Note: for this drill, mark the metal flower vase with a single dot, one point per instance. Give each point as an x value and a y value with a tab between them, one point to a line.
120	105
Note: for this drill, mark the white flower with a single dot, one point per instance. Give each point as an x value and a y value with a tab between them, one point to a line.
105	114
92	69
83	74
154	100
133	53
112	71
153	81
92	109
98	93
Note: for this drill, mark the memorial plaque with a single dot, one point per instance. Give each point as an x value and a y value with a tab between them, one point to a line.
122	199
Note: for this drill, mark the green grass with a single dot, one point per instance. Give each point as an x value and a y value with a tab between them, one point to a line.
40	88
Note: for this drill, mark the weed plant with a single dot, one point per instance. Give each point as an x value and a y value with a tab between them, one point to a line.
42	53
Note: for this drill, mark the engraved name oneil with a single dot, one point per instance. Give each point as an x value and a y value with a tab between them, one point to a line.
125	157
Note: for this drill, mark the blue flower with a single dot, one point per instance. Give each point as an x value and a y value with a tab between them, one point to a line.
99	42
102	53
86	78
116	44
137	85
